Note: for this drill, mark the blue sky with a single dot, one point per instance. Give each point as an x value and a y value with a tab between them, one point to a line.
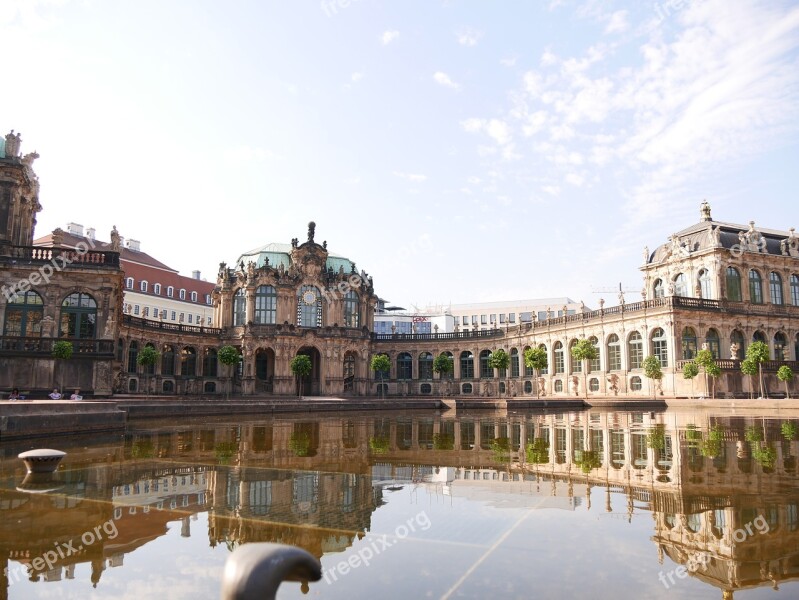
457	151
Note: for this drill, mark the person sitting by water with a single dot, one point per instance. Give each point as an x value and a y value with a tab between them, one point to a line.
14	395
54	395
76	395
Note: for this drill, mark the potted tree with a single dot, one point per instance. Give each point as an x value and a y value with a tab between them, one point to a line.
584	351
536	359
301	367
229	356
146	358
757	352
785	374
749	367
689	371
381	365
704	359
62	350
652	370
499	360
443	365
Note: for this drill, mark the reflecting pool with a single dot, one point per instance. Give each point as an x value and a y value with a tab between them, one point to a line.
600	504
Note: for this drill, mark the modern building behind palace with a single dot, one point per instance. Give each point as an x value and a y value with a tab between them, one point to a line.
712	284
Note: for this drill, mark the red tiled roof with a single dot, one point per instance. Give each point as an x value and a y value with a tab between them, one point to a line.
126	254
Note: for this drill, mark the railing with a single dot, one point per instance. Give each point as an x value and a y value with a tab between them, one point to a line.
64	257
459	335
726	364
44	346
140	323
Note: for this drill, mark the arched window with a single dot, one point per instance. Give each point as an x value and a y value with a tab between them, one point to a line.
24	314
658	291
560	364
182	294
467	365
734	285
209	363
349	365
775	287
614	353
425	365
404	366
193	296
129	283
528	371
78	316
635	350
595	364
170	291
759	336
755	287
558	384
545	370
382	375
514	362
149	369
635	383
680	285
133	354
309	307
737	340
239	308
713	343
593	384
780	343
795	290
660	346
451	359
143	286
485	370
168	360
352	310
688	343
157	289
265	305
704	284
577	365
188	362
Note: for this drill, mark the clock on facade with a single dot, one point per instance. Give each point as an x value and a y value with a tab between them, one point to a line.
309	297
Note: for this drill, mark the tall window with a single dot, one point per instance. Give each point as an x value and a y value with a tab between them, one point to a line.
157	289
577	365
658	291
485	370
352	310
660	346
734	285
795	291
688	343
309	307
188	362
149	369
704	284
239	308
775	287
143	286
737	338
680	285
425	365
133	355
467	365
594	364
404	366
755	287
780	343
713	343
24	315
514	362
635	350
209	362
560	365
168	360
349	365
265	305
545	370
614	353
78	316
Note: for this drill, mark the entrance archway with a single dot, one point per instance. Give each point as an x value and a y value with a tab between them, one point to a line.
311	384
265	369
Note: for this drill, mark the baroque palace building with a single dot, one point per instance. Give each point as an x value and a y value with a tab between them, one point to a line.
714	283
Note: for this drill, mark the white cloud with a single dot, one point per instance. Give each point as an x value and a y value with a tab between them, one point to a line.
442	78
469	37
552	190
389	36
356	77
617	22
508	62
414	177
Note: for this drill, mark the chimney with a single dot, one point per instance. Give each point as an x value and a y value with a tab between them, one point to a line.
195	275
75	229
90	233
134	245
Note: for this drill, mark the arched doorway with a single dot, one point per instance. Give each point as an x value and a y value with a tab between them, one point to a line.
265	369
311	384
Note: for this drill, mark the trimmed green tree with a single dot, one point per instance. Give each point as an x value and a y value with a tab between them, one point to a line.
785	374
443	364
758	353
499	360
715	372
146	358
749	367
228	356
690	371
704	359
652	371
381	365
301	367
536	359
62	351
584	351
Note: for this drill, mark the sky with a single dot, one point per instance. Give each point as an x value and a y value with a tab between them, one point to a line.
458	151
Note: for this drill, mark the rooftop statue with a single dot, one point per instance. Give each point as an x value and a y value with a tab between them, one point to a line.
13	143
115	240
311	231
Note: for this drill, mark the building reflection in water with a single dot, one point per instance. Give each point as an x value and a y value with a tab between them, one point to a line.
315	483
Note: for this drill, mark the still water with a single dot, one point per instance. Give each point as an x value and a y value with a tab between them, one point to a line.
599	504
